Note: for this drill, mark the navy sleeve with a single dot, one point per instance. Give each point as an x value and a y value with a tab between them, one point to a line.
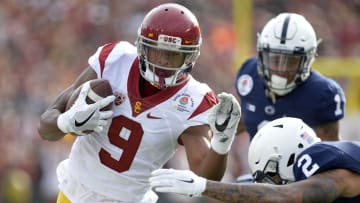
332	101
326	156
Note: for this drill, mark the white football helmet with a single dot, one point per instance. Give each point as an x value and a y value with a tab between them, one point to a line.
275	147
287	48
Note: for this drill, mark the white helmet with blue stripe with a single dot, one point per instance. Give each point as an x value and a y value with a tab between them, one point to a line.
287	48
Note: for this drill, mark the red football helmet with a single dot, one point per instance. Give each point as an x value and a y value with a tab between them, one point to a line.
168	44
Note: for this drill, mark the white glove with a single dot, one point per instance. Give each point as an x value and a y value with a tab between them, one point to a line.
223	120
182	182
82	116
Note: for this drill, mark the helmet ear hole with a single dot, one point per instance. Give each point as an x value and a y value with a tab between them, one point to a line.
291	160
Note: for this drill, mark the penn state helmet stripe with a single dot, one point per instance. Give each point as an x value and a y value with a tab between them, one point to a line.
284	29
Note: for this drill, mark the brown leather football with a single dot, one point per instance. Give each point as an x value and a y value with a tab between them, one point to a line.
99	88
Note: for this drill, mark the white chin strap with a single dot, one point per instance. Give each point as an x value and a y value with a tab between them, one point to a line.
279	85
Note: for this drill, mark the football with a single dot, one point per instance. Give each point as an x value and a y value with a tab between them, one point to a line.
99	89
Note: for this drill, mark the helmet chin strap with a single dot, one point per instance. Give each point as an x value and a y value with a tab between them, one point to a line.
279	85
160	81
270	95
278	82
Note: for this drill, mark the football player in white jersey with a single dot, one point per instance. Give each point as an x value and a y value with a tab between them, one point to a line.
157	106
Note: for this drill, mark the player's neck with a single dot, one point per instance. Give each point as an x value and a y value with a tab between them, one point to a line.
272	96
146	89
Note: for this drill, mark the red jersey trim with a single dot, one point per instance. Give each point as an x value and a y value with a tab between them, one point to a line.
105	51
140	104
208	101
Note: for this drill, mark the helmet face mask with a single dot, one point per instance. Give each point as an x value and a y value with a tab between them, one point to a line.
168	50
270	174
292	37
275	147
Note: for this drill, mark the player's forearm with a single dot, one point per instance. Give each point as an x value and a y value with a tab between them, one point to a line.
294	193
242	193
213	166
48	128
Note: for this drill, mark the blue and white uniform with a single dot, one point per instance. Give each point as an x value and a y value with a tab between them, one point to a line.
324	156
317	100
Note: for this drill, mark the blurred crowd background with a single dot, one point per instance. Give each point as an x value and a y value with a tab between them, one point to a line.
45	44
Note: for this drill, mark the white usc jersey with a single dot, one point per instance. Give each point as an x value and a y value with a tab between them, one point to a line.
143	134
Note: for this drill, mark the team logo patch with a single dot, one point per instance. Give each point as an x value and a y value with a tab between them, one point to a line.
137	107
269	110
119	98
183	102
245	84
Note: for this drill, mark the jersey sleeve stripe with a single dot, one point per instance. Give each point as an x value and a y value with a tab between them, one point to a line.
104	54
208	101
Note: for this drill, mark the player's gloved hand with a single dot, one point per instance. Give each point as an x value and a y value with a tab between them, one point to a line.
82	116
223	120
182	182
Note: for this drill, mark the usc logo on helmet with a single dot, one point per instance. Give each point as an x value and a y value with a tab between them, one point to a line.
170	39
166	39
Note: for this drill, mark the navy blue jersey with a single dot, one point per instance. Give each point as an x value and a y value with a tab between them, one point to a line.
316	101
324	156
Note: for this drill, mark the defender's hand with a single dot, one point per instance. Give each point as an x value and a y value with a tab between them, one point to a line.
182	182
224	119
82	116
